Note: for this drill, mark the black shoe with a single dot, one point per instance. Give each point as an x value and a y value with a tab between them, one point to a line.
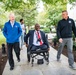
11	68
18	59
28	61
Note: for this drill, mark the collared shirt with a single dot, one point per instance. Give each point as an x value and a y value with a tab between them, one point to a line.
12	23
35	39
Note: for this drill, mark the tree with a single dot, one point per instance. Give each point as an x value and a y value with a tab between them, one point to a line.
26	9
54	13
28	12
3	16
15	4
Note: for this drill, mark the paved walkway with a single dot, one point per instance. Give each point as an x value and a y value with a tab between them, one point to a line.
54	67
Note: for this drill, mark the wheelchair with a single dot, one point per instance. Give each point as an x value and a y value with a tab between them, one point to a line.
31	55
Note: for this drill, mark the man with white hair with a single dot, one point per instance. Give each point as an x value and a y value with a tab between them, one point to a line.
12	31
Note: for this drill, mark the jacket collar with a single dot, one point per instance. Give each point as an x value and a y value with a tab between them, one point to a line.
65	19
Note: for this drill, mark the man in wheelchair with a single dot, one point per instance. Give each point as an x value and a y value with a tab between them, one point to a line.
35	40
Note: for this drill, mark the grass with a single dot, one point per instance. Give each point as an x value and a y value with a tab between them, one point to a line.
2	39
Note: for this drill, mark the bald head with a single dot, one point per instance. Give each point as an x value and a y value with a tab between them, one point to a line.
37	26
11	17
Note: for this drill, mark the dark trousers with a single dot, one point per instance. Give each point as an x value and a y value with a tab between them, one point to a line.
10	47
43	47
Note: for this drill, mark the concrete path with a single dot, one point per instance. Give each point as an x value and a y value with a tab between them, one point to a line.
54	67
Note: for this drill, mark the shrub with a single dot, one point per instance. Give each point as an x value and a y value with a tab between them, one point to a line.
46	30
74	46
55	39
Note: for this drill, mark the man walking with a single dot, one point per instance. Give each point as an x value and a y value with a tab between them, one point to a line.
23	33
12	32
64	33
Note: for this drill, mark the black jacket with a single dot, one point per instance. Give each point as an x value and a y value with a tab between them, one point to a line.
65	28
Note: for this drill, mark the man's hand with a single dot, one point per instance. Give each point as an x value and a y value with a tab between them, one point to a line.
75	39
26	45
48	49
60	40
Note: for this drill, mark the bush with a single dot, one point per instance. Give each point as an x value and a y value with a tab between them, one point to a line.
73	36
46	30
74	46
55	39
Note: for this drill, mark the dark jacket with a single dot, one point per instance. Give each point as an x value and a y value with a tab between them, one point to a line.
65	28
30	36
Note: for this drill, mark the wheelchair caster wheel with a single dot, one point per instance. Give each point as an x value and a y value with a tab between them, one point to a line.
32	62
47	63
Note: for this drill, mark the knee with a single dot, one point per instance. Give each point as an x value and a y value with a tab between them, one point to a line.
44	47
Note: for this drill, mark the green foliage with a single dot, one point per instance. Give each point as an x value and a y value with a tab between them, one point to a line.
55	38
2	15
74	45
54	1
28	13
15	4
55	13
73	36
71	1
27	9
12	4
46	30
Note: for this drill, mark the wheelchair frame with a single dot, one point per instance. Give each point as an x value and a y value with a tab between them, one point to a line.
33	54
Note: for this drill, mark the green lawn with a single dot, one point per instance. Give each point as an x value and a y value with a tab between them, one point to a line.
2	39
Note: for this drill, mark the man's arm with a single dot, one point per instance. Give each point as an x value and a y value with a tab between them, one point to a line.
74	28
5	31
58	30
58	33
19	31
46	41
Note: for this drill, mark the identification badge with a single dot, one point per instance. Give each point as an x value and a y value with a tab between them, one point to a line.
69	21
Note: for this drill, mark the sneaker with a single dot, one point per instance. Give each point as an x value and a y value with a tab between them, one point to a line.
73	67
18	60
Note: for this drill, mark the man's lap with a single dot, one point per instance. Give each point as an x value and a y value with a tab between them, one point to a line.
43	47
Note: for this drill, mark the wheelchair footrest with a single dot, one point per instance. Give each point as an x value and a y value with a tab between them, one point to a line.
40	61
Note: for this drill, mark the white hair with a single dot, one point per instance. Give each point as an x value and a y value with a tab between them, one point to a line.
11	14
